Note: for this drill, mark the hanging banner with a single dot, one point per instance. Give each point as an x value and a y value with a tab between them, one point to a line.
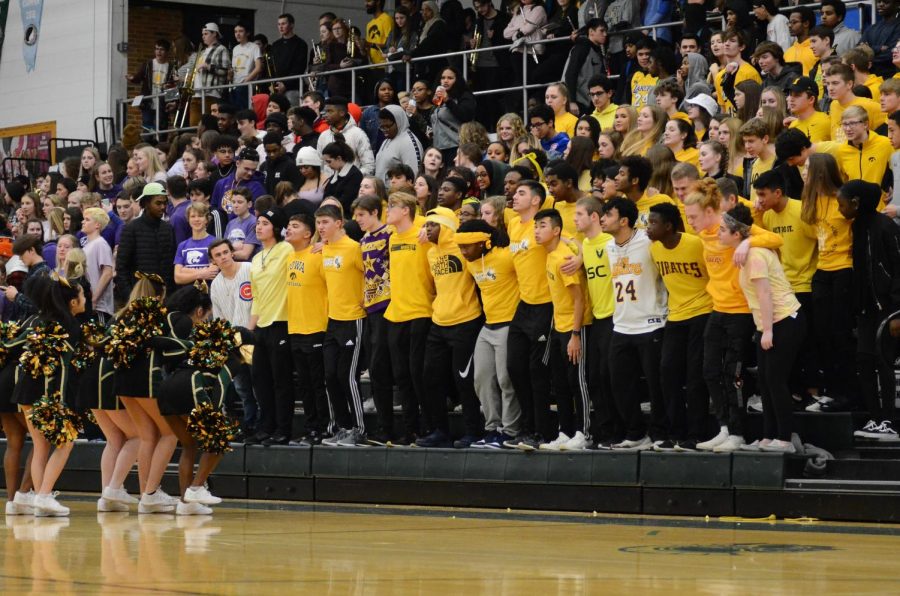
4	11
31	24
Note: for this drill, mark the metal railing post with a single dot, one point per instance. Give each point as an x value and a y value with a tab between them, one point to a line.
353	86
525	80
407	66
156	114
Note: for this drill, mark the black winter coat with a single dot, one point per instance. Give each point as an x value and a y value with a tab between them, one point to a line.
146	245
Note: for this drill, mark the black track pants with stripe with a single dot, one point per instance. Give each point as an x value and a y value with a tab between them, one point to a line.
343	358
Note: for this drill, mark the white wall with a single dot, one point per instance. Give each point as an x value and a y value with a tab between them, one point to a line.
71	79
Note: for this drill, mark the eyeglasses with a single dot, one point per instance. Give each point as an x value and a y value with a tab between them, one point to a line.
536	124
848	123
481	174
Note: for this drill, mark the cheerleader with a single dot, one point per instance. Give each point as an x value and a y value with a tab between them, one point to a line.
13	422
136	378
191	397
43	385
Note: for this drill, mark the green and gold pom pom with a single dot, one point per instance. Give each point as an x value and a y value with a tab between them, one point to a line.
8	332
86	353
211	428
213	342
45	346
57	423
130	335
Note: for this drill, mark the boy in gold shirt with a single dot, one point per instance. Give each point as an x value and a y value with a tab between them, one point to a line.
456	320
679	259
755	135
568	340
343	266
409	313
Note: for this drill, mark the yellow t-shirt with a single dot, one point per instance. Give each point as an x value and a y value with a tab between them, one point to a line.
566	123
495	275
455	301
689	155
530	260
873	109
563	303
745	72
869	162
377	32
760	166
307	296
817	127
567	211
267	271
798	254
412	287
599	280
642	84
723	286
644	203
873	83
683	271
764	263
607	117
802	53
834	236
343	266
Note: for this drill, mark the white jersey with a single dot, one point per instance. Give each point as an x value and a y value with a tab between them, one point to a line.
640	295
232	298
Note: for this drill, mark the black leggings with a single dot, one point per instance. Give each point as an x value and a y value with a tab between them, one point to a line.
775	366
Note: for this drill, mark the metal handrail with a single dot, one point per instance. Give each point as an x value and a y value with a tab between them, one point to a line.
407	64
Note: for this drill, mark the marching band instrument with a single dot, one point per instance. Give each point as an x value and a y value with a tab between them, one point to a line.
187	94
270	69
476	43
351	45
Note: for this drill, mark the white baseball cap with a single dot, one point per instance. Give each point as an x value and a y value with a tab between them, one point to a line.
307	156
706	102
212	27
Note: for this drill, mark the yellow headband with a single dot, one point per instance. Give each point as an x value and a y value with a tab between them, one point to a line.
537	168
472	238
444	220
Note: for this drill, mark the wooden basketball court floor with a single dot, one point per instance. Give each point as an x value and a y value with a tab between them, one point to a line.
290	548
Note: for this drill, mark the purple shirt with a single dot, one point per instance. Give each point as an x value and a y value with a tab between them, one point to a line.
377	284
241	231
179	222
194	254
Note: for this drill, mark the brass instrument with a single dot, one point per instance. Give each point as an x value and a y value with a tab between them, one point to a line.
318	59
182	115
351	45
270	69
476	43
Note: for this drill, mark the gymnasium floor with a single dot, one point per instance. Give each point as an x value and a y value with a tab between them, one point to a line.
278	548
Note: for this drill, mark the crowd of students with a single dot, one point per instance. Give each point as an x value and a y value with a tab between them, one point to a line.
712	246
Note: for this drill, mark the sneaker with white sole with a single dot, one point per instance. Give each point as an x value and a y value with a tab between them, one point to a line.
867	431
13	508
24	499
118	495
729	445
664	446
715	441
333	441
755	445
885	432
192	509
156	502
778	446
47	506
104	505
556	443
577	443
642	444
817	405
200	494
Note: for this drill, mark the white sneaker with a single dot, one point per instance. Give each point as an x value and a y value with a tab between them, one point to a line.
638	445
172	500
779	446
104	505
47	506
866	431
817	406
118	495
577	443
556	443
715	441
756	445
157	502
200	494
732	443
192	509
754	403
13	508
24	499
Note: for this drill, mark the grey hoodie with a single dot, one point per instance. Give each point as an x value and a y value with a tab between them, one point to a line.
404	148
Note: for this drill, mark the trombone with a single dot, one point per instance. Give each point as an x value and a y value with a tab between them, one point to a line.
476	43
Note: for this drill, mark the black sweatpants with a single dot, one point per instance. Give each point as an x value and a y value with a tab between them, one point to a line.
343	355
775	366
608	427
406	343
380	370
453	346
273	376
724	354
527	360
806	374
876	379
570	383
308	351
631	356
681	375
833	321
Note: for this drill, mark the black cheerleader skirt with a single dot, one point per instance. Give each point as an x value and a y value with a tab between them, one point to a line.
7	386
141	379
187	387
96	387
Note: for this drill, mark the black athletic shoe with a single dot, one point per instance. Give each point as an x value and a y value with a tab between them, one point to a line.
275	440
437	439
379	439
513	443
836	405
404	441
683	446
664	446
465	442
257	439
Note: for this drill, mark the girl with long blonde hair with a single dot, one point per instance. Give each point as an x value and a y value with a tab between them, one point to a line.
651	121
